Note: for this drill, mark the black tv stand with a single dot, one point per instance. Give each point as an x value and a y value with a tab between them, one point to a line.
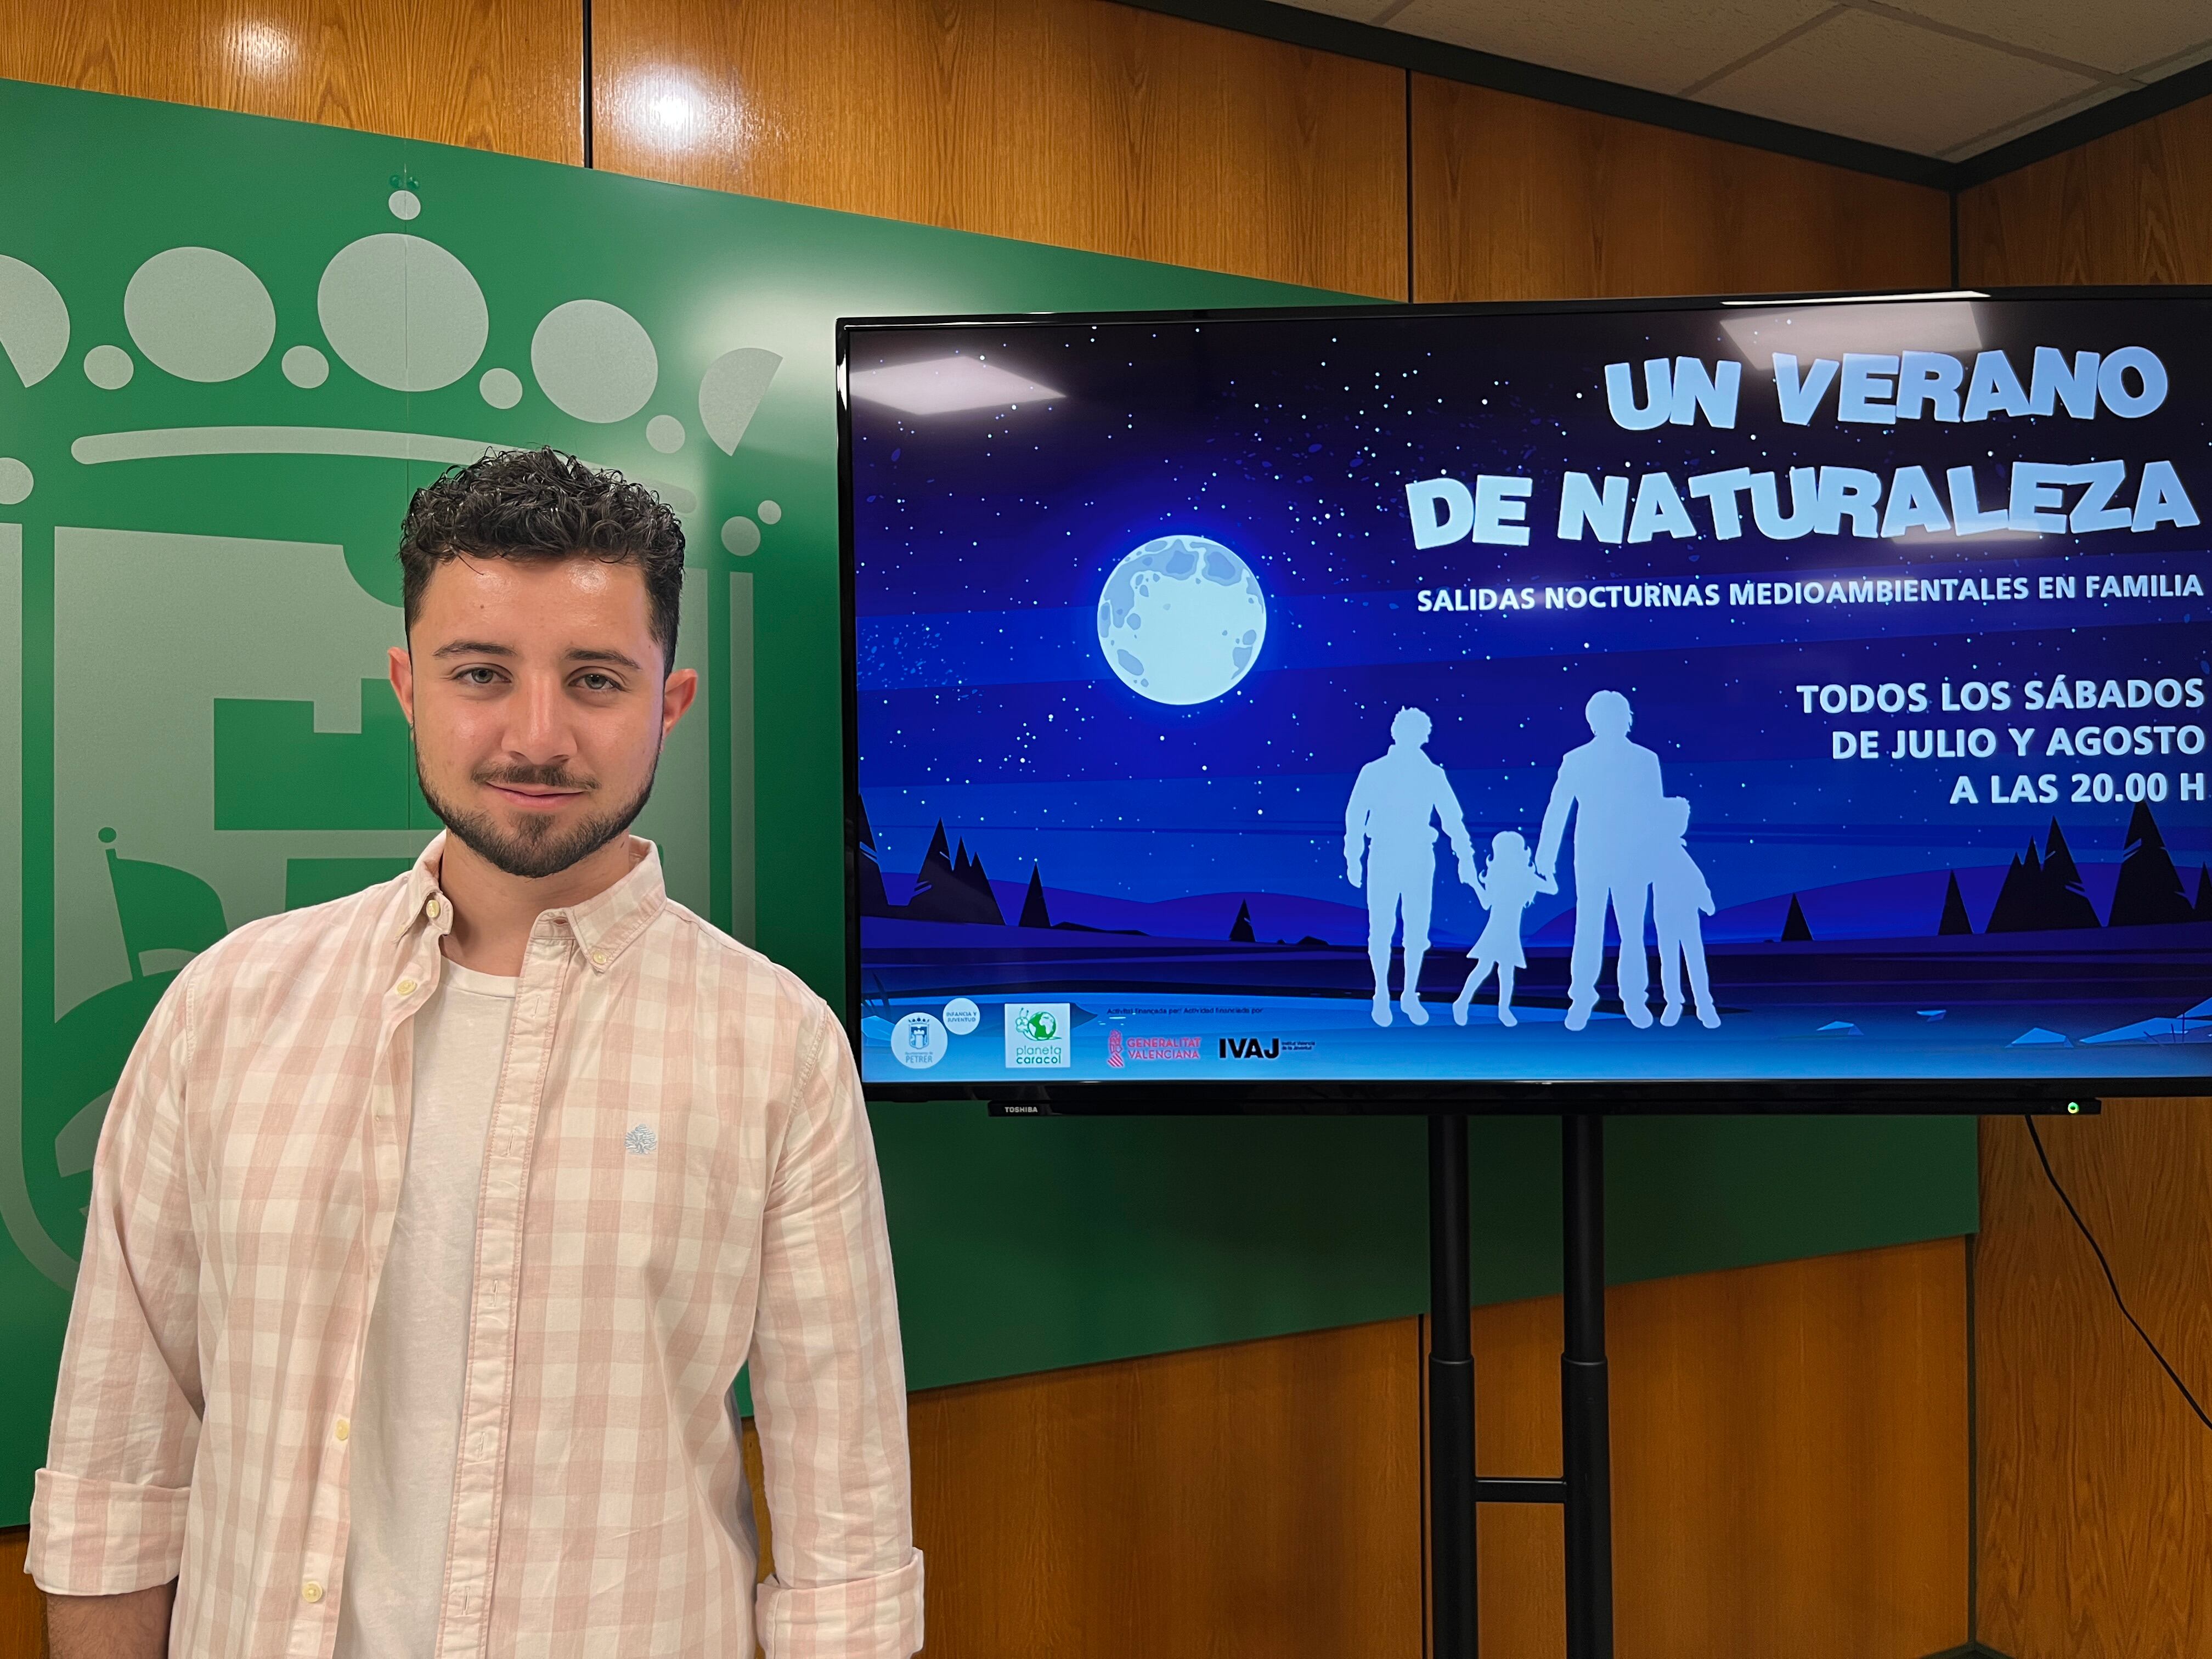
1584	1487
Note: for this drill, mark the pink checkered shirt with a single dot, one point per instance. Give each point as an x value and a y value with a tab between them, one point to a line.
677	1177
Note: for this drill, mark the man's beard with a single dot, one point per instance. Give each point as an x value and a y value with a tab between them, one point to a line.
540	846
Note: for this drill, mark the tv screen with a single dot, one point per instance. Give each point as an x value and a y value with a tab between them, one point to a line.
1738	702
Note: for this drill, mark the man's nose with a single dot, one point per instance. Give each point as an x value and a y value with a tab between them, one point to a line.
540	729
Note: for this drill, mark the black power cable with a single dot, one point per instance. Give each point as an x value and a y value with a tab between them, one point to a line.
2120	1301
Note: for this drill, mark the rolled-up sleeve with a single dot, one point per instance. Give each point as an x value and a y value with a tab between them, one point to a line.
830	1384
109	1513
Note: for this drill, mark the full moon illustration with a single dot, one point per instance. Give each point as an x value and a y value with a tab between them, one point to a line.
1181	619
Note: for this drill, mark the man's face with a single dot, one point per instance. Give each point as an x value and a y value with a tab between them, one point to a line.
539	705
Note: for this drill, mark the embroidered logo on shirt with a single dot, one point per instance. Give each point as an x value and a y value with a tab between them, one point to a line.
641	1140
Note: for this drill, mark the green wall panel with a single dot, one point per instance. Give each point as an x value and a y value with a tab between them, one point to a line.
197	583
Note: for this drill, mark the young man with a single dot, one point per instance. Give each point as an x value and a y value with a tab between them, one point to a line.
430	1227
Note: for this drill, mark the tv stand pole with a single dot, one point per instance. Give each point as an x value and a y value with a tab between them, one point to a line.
1584	1489
1451	1395
1585	1433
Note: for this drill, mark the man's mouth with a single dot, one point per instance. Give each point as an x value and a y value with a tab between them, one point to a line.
531	797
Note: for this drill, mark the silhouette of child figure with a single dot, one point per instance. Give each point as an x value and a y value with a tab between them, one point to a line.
1506	888
1678	896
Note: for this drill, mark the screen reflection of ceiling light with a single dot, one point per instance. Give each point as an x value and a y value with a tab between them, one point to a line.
1884	327
1922	537
263	48
945	384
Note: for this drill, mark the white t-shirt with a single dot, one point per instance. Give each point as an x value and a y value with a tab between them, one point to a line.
406	1422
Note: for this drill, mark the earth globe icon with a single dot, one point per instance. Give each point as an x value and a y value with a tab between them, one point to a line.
1181	619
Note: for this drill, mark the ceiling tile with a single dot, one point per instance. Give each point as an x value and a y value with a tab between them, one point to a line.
1865	76
2033	122
1663	45
2118	37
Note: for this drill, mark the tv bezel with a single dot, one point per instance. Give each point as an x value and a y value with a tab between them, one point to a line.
1495	1097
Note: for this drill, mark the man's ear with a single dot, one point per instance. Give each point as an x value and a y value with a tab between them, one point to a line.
401	669
677	696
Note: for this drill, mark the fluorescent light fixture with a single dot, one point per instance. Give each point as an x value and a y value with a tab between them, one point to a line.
945	384
1920	323
1857	300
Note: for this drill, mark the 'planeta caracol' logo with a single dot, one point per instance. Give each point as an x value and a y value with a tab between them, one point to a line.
207	435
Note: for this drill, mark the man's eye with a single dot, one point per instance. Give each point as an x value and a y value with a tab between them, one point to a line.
479	676
598	683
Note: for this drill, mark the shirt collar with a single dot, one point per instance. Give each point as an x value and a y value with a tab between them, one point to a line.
602	926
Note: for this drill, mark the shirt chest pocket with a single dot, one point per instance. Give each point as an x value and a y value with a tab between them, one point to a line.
655	1198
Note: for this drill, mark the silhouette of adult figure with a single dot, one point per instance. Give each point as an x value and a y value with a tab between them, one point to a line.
1389	818
1612	787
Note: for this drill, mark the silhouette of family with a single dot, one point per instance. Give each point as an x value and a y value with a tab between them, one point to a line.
1629	857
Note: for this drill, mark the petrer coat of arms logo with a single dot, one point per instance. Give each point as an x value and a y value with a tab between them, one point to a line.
203	456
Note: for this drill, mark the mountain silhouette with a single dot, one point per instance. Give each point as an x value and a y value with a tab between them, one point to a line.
1240	931
867	872
1955	920
1794	930
2149	891
2204	893
1034	911
2043	893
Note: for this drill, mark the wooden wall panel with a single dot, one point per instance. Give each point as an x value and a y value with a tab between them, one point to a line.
23	1609
1261	1499
1790	1477
499	75
2129	207
1790	1462
1075	122
1514	199
2096	1480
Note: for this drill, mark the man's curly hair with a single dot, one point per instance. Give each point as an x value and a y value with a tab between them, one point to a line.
540	504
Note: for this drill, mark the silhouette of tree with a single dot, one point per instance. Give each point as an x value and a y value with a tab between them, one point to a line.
2065	904
1240	931
2204	893
952	888
2149	891
2019	908
1034	914
1955	920
1794	930
867	870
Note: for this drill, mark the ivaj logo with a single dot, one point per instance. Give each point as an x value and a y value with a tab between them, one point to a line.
1250	1047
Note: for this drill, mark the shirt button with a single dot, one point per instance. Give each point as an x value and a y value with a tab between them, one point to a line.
311	1591
433	908
343	1429
599	958
405	987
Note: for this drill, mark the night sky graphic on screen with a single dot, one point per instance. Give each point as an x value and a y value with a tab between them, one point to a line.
1329	697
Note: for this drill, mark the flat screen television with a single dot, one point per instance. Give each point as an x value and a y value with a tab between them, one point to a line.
1737	704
